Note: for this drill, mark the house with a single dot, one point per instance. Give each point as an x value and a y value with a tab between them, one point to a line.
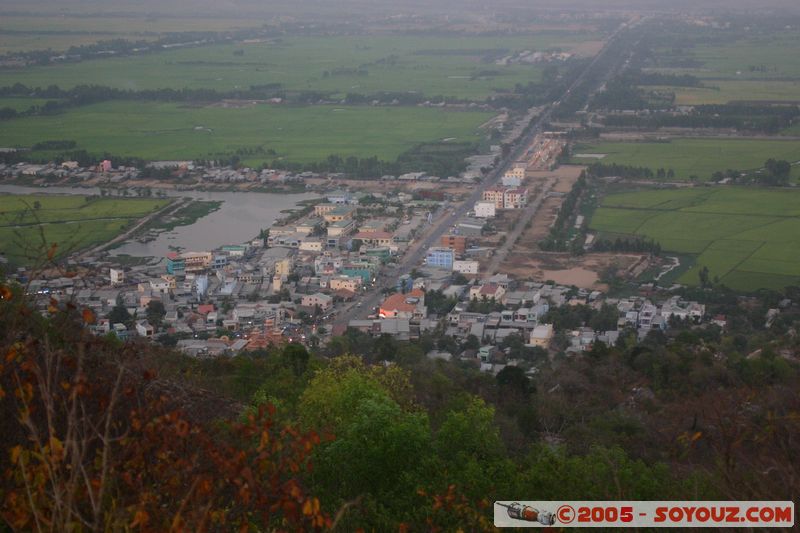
374	238
324	301
485	209
340	197
234	250
542	335
344	283
411	305
310	245
488	291
440	258
144	329
339	213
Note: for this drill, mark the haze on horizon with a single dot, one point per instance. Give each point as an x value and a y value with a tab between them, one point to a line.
346	7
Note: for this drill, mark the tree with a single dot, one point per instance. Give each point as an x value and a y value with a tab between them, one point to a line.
92	441
119	313
471	342
512	381
155	312
297	357
703	274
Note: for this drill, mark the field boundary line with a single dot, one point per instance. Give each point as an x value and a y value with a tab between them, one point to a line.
736	266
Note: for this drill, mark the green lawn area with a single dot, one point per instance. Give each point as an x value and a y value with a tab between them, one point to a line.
687	157
723	92
29	224
158	131
452	66
748	238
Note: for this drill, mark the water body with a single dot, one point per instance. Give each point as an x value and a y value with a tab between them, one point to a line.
240	218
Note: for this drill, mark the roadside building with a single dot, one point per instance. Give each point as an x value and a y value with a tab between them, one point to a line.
440	258
408	306
456	242
324	301
515	198
495	195
485	209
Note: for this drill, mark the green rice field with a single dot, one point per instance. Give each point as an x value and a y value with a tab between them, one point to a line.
158	131
451	66
30	224
687	157
748	238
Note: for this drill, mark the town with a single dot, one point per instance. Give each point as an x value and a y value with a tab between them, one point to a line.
317	273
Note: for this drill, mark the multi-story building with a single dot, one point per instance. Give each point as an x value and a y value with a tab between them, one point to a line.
345	282
496	195
175	264
341	227
339	213
485	209
117	276
440	258
456	242
323	209
514	176
197	261
283	267
515	198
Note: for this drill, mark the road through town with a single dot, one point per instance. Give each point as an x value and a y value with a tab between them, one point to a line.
446	217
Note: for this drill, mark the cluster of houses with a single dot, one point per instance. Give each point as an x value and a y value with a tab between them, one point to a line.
518	309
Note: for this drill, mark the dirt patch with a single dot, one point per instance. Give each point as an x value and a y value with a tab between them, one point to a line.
584	271
580	277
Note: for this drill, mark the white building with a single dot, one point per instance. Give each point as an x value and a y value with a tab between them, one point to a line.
485	209
117	276
465	267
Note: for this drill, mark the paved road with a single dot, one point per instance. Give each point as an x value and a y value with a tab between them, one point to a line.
433	233
512	237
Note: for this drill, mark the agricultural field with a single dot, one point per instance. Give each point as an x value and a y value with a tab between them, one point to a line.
460	67
20	103
725	91
25	32
157	131
687	157
31	223
762	67
747	238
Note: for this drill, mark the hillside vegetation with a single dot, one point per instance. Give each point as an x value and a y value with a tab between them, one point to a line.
102	435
